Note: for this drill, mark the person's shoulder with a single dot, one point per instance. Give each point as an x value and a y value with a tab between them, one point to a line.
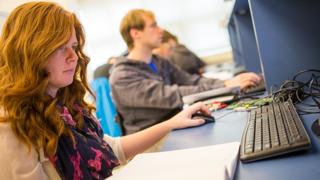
10	145
181	47
15	156
124	69
8	138
102	71
104	66
121	63
161	60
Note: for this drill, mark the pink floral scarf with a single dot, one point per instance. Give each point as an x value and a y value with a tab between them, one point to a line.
91	157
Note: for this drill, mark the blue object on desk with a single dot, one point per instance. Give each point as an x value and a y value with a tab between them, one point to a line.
106	110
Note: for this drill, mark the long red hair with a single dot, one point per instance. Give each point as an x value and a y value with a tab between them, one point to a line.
31	33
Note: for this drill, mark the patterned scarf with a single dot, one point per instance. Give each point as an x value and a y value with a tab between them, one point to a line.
91	157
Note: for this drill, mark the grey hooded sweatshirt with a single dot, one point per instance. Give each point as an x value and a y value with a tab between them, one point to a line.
144	97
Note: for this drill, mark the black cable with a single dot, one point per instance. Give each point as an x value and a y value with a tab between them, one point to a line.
298	89
304	71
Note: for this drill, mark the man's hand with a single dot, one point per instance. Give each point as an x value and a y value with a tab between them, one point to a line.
244	80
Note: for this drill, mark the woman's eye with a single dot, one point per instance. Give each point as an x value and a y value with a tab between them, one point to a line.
62	48
74	48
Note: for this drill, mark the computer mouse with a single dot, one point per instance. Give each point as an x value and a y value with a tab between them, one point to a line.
207	118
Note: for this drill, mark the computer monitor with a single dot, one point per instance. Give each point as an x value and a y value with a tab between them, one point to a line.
315	127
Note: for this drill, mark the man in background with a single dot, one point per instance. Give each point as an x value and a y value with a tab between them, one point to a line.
147	88
179	54
168	45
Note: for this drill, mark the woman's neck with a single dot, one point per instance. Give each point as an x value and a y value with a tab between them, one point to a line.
52	91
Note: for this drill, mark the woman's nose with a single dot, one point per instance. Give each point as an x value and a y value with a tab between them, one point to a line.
72	55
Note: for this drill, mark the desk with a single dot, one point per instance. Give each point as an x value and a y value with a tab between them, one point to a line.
298	165
286	32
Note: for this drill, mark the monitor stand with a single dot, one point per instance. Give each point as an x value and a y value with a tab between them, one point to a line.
316	127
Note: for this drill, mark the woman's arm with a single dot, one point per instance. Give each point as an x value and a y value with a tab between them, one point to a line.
140	141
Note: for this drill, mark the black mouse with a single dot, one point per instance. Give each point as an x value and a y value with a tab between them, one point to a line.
207	118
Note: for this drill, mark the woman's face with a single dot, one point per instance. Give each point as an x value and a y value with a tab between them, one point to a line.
61	65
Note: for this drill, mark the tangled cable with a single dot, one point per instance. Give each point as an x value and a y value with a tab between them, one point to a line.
305	84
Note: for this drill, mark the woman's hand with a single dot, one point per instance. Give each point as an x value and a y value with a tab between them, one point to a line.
183	119
138	142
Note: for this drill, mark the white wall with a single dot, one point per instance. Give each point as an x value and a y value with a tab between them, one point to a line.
9	5
197	23
6	6
2	18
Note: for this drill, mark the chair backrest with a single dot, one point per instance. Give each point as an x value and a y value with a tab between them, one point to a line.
106	110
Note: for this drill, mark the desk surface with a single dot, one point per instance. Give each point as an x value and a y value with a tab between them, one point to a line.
229	128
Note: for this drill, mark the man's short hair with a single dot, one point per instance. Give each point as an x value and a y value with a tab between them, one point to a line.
134	19
166	36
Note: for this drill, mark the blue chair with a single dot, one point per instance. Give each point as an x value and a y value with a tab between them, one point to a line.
106	110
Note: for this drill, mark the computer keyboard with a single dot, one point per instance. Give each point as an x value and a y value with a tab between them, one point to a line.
273	130
189	99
